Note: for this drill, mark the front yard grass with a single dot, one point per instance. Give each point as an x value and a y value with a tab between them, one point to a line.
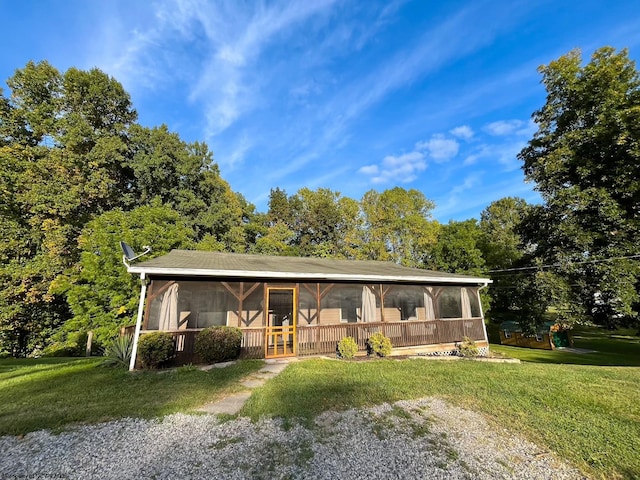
587	415
54	393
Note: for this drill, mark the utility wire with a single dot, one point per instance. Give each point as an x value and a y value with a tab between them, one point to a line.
568	263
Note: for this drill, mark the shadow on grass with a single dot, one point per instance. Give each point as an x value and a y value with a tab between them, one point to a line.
82	392
585	414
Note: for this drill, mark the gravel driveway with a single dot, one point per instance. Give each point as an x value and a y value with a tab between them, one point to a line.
426	439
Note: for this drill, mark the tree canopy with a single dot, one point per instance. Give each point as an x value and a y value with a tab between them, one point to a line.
78	174
585	160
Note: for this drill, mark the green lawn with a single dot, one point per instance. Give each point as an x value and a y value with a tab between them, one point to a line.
617	348
578	406
588	415
53	393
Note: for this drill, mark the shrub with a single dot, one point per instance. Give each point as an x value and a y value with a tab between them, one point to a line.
4	354
60	349
347	347
73	346
468	348
217	344
155	348
380	344
118	352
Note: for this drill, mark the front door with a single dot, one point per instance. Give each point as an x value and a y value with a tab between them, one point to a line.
280	336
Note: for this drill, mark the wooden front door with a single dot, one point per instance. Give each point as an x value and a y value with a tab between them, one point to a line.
280	334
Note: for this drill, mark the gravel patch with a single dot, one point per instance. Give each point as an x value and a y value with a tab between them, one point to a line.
426	439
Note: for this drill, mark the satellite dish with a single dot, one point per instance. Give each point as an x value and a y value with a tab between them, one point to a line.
129	254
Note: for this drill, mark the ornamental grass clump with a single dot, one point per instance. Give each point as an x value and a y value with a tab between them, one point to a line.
217	344
118	352
380	344
347	347
155	348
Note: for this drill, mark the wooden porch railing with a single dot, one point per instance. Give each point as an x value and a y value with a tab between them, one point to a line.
322	339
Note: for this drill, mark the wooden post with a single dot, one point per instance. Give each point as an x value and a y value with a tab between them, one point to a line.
89	340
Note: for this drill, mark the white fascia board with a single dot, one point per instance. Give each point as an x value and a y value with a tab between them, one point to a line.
199	272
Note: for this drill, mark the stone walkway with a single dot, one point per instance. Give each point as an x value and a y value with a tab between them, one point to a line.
232	404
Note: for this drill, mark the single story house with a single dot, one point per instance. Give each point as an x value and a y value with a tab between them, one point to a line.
291	306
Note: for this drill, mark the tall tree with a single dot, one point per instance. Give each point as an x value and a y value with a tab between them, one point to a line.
70	151
61	162
398	226
457	249
101	293
585	160
503	251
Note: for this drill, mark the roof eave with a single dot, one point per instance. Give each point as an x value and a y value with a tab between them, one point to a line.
199	272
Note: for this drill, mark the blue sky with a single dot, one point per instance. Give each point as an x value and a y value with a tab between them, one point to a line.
348	95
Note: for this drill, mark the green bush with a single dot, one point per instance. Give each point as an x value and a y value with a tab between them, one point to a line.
60	349
155	348
74	345
347	347
468	348
380	344
118	352
217	344
4	354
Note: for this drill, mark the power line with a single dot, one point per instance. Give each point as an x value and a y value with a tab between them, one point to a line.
568	263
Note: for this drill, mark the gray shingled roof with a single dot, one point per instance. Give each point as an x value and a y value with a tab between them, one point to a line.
218	264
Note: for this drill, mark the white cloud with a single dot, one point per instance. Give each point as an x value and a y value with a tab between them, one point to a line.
506	154
439	147
396	169
503	127
369	170
464	131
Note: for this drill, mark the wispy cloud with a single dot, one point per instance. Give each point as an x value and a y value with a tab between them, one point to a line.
464	132
503	127
439	147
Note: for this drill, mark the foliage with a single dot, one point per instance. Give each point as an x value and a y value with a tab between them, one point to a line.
347	347
457	249
217	344
397	226
102	295
583	158
380	344
155	348
502	249
118	351
468	348
70	152
75	345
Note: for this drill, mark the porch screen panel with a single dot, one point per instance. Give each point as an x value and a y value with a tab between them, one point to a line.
404	302
474	301
155	304
341	304
450	302
253	307
206	302
307	306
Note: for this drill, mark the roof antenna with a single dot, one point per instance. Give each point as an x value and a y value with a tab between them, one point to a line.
129	254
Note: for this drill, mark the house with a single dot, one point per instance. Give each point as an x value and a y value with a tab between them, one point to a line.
290	306
548	336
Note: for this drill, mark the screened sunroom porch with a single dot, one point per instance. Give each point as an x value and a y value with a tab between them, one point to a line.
297	306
